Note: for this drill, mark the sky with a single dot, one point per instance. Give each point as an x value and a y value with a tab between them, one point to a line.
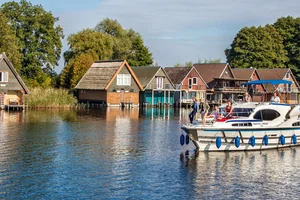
175	31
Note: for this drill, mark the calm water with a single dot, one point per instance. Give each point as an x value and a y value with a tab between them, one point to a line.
130	154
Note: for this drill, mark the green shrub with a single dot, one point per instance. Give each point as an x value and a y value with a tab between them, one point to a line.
50	97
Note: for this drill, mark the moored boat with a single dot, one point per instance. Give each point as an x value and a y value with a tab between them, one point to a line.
269	126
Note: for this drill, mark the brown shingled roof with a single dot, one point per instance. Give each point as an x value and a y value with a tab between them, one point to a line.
177	74
209	71
243	73
272	74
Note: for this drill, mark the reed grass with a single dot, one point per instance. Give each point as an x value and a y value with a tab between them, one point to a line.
50	98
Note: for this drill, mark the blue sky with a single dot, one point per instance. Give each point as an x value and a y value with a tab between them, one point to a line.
176	31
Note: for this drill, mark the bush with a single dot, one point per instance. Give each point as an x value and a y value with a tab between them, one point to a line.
50	97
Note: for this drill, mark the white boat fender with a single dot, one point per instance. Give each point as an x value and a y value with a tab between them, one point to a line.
182	139
266	140
294	139
282	140
237	141
252	141
187	139
218	142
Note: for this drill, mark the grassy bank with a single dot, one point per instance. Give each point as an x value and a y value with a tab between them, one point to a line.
50	98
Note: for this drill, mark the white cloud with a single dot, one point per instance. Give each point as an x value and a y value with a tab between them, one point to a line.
181	30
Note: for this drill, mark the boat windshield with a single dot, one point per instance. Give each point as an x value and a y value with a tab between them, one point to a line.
238	112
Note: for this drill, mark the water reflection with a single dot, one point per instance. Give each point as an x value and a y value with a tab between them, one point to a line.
265	174
129	153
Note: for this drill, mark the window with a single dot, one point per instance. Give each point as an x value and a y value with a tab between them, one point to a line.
160	82
296	124
124	79
266	114
289	87
195	81
3	76
287	75
190	83
242	124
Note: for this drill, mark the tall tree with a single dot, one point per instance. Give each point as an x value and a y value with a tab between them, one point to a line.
128	44
38	37
289	29
76	68
89	41
139	54
9	43
259	47
209	61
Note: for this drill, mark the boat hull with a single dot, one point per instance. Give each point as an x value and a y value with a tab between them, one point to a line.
205	139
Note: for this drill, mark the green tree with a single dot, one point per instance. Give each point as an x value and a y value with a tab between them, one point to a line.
9	43
209	61
259	47
76	68
289	29
90	42
139	54
128	44
38	37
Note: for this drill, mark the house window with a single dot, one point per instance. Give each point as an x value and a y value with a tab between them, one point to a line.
195	81
289	87
159	82
3	76
124	79
287	75
190	83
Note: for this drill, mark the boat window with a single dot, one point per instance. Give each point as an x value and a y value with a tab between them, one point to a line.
296	124
242	124
242	112
266	114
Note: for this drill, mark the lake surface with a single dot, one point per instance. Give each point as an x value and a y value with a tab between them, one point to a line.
130	154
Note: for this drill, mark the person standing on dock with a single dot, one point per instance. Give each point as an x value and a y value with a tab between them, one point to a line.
194	111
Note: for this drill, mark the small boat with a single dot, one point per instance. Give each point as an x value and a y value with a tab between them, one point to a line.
268	126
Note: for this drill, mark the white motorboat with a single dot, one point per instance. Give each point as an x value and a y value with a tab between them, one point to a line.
269	126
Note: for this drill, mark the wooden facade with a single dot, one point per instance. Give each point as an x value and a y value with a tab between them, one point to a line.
12	87
109	83
287	93
158	88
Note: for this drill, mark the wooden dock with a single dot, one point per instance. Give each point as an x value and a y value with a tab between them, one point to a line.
14	107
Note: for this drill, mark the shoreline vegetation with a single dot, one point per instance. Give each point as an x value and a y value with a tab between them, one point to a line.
50	98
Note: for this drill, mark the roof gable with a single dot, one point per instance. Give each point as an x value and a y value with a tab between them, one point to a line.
102	73
177	74
243	73
145	74
15	73
209	71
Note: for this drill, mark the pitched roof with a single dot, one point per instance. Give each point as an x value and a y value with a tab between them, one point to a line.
177	74
4	57
209	71
272	74
145	74
101	74
243	73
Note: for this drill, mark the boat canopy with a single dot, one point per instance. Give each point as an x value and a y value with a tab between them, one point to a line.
272	82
